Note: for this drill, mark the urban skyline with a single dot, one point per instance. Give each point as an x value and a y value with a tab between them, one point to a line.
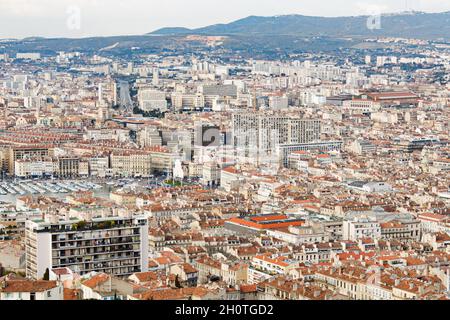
270	159
51	18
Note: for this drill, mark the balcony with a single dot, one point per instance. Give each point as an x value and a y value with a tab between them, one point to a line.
99	243
90	260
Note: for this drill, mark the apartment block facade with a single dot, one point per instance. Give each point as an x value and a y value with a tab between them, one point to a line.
262	133
114	245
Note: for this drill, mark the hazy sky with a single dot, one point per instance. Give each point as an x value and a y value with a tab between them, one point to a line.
81	18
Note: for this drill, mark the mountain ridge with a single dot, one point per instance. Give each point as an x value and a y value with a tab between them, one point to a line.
405	24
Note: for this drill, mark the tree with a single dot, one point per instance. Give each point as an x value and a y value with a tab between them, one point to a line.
46	275
149	114
79	225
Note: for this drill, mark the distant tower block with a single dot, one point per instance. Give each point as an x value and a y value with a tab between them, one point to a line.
115	96
155	80
130	68
115	67
100	92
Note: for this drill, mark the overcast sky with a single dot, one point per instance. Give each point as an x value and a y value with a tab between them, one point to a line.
82	18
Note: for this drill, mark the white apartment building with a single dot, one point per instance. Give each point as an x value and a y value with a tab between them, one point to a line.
162	160
187	101
211	174
360	106
115	245
374	291
150	99
370	187
382	60
25	168
230	178
131	163
442	165
432	222
28	55
260	134
264	267
99	166
283	151
300	235
278	102
384	117
359	228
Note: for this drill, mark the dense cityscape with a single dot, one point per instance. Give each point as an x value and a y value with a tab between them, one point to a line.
204	172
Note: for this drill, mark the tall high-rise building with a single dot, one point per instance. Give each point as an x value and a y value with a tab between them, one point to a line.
259	134
100	92
155	80
130	68
115	67
115	245
115	94
152	100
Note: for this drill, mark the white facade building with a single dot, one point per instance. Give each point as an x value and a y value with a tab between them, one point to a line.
152	100
359	228
115	245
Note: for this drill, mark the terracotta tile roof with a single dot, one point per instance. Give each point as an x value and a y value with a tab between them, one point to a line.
71	294
96	280
28	286
172	294
189	268
146	276
61	271
248	288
